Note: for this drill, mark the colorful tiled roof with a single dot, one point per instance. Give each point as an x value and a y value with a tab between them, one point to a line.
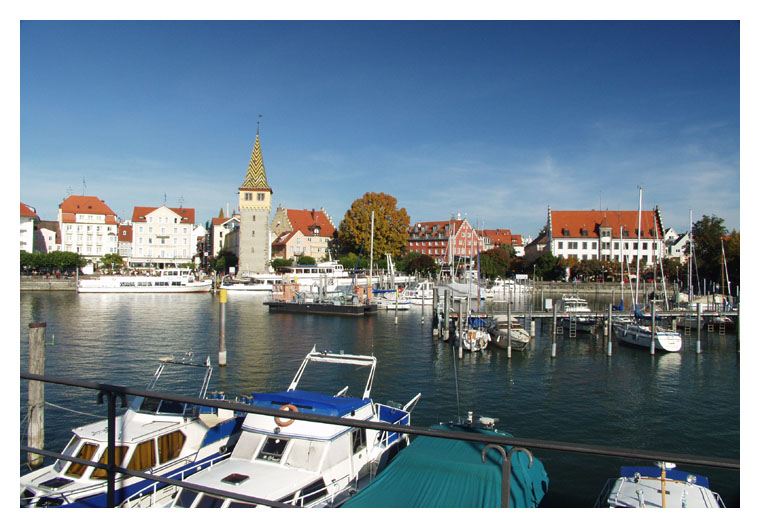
186	214
585	224
306	221
256	176
28	212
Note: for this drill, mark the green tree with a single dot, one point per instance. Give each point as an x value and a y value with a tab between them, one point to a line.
496	262
349	262
306	260
224	261
731	247
424	264
706	234
548	267
112	260
281	263
391	225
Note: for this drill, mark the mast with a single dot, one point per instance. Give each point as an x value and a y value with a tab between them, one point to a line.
622	281
691	252
371	248
638	251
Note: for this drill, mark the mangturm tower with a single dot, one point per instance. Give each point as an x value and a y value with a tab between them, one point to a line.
255	204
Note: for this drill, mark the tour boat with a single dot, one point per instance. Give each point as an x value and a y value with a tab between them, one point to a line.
262	283
501	330
297	462
169	280
161	437
659	486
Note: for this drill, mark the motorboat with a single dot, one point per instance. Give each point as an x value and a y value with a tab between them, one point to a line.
390	300
419	293
168	280
502	330
641	335
658	486
161	437
437	472
576	312
261	283
475	336
297	462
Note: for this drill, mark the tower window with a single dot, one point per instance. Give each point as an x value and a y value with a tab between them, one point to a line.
260	197
248	196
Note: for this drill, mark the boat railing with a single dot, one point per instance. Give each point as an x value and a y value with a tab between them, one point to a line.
110	394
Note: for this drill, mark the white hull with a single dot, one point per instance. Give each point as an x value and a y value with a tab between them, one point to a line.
474	340
641	336
196	287
170	280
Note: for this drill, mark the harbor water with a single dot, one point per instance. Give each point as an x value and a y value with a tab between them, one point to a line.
680	402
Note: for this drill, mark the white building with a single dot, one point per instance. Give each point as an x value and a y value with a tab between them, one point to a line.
162	236
47	237
221	227
125	241
26	227
88	227
605	235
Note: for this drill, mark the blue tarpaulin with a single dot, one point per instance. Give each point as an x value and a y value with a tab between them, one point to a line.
441	473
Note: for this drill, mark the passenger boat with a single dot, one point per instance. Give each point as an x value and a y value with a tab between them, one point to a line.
576	311
169	280
262	283
330	274
501	330
302	463
659	486
419	293
161	437
438	472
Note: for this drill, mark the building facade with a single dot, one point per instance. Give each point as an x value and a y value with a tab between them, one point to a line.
445	239
606	235
47	237
221	227
162	236
87	226
498	237
316	226
26	227
125	241
255	205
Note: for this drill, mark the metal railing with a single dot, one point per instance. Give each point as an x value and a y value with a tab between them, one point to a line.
113	392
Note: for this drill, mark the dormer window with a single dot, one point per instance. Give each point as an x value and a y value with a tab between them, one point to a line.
625	232
584	232
565	232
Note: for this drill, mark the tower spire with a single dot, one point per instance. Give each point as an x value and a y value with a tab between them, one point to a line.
256	176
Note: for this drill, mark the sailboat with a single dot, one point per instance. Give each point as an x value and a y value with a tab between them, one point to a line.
639	333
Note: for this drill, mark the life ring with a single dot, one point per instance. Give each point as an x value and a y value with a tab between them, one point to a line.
284	423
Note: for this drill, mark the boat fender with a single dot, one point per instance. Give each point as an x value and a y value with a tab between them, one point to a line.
284	423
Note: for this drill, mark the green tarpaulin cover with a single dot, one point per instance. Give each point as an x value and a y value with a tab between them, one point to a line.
441	473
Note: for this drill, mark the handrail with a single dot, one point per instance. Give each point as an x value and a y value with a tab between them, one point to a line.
114	391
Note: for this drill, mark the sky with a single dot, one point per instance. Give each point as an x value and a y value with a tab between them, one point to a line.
492	120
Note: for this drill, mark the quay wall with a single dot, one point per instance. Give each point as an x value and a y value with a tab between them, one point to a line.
47	284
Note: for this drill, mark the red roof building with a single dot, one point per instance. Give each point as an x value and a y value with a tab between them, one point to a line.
162	236
88	227
443	239
316	226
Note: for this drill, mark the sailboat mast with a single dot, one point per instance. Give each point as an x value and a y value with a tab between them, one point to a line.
371	248
638	251
691	252
622	281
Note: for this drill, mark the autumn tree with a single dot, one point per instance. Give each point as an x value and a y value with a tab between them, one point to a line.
391	226
707	234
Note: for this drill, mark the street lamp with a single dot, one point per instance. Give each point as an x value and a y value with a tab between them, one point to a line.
534	273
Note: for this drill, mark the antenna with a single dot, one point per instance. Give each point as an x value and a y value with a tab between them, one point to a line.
164	198
181	201
84	185
69	191
258	124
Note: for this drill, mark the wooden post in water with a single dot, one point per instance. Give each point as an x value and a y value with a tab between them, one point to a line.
461	316
738	333
654	330
395	318
446	315
609	330
699	328
36	430
554	329
222	324
509	330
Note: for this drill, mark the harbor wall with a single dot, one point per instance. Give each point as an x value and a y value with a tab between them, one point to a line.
47	284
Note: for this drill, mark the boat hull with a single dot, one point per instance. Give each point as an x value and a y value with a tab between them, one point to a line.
641	336
356	310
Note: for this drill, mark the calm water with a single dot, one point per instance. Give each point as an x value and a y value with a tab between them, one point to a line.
677	402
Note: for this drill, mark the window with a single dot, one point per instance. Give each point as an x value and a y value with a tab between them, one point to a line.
617	245
209	501
248	197
170	446
313	492
585	245
100	474
272	449
559	245
144	457
643	245
86	452
186	498
358	439
593	245
260	197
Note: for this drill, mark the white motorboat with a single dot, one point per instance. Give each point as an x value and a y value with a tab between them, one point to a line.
391	300
659	486
475	336
169	280
161	437
262	283
501	330
576	311
641	335
297	462
419	294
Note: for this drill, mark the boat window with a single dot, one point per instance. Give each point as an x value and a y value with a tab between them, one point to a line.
68	450
186	498
305	455
272	449
144	457
172	407
359	439
288	499
209	501
170	446
241	505
86	452
235	478
312	493
150	405
101	474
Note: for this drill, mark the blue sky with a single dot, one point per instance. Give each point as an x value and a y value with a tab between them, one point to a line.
493	120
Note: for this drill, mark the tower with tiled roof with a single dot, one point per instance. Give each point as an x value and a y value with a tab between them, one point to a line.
255	204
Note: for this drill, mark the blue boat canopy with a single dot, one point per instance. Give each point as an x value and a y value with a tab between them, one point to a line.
441	473
309	402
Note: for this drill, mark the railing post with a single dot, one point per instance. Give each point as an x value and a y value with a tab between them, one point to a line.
110	473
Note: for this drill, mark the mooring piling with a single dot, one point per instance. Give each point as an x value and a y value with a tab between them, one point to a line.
36	427
222	324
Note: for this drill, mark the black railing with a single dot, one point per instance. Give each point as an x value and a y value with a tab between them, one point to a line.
112	392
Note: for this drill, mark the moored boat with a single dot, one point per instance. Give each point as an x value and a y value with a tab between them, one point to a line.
169	280
297	462
263	283
502	331
576	312
640	335
161	437
659	486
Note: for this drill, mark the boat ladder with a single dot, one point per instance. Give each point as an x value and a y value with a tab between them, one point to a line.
722	328
572	326
687	330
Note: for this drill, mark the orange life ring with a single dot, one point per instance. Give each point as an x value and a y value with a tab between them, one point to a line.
287	407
